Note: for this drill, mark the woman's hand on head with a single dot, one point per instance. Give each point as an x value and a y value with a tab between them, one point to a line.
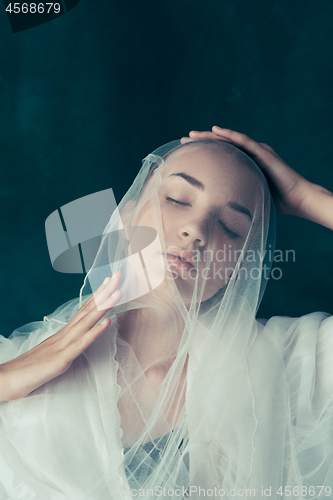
292	193
52	357
289	189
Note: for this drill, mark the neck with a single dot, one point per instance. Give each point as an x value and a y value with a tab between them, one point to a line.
153	331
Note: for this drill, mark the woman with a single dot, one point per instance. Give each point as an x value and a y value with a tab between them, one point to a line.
179	392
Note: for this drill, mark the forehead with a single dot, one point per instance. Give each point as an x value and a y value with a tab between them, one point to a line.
215	167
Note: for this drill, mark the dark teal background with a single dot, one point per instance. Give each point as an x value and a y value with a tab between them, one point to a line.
85	97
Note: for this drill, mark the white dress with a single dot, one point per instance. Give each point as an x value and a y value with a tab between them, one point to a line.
62	441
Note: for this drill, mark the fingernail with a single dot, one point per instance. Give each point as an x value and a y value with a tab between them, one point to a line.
104	322
106	280
113	276
114	293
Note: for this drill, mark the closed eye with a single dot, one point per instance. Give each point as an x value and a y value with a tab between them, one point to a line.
177	202
229	232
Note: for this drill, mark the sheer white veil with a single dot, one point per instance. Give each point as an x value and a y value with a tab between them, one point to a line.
217	424
186	394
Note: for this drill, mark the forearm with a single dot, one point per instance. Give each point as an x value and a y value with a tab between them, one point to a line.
318	206
4	384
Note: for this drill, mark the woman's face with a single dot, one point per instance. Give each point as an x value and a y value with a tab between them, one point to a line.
207	202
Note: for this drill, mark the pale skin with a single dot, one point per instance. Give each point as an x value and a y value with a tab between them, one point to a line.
293	195
54	356
195	225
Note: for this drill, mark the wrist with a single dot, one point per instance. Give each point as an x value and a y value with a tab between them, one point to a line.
317	205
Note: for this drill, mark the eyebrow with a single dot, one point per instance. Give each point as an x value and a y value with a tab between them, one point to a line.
191	180
240	208
200	185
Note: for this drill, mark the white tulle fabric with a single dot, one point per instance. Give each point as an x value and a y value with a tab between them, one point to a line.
258	399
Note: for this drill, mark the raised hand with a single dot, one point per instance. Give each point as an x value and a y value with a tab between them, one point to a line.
52	357
292	193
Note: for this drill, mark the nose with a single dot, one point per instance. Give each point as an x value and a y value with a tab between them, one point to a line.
192	232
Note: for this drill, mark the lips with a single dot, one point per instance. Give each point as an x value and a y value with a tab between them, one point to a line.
178	262
175	259
183	256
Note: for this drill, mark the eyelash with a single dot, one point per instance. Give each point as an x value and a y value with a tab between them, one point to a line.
232	235
228	231
177	202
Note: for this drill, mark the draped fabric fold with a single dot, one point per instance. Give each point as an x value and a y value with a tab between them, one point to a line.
186	394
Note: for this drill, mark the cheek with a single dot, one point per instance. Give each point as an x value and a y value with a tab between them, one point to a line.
145	217
226	251
219	263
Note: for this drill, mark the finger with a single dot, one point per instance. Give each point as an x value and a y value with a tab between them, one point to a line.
106	291
110	301
243	141
97	313
89	321
222	132
208	135
194	134
98	297
267	147
107	287
83	341
184	140
88	303
236	137
259	152
93	295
